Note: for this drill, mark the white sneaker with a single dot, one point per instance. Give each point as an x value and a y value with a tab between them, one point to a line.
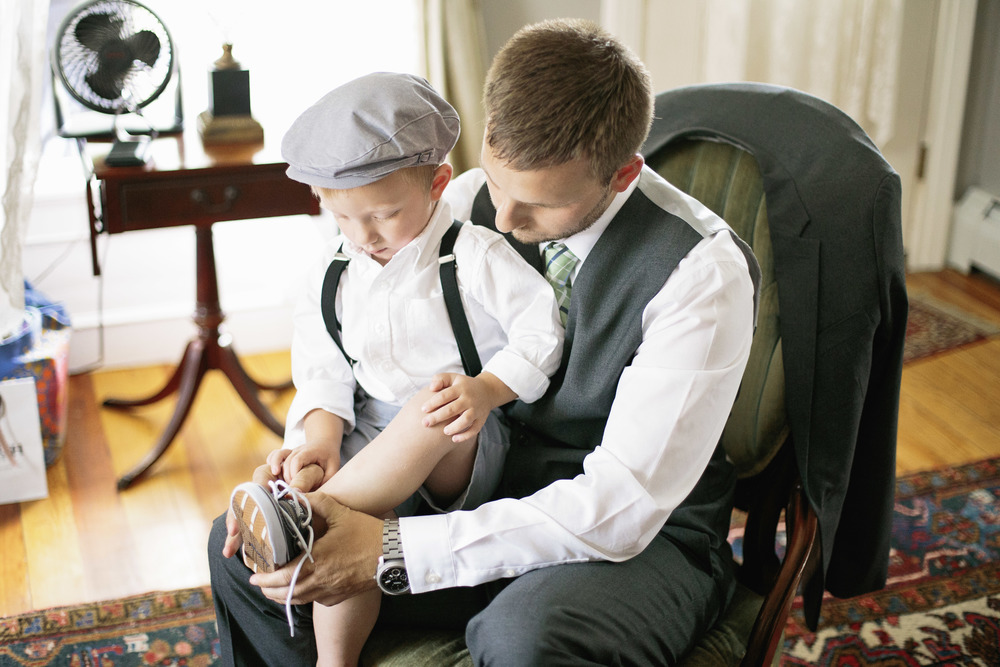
276	526
273	524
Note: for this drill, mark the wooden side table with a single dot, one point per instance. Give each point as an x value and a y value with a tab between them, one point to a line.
185	183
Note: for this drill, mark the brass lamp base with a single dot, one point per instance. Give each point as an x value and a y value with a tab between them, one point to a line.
229	129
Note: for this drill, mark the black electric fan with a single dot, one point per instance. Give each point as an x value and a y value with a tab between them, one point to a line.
116	57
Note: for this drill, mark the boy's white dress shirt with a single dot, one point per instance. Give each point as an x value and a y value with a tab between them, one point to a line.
396	327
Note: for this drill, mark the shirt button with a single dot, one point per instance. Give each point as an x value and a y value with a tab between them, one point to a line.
433	578
510	573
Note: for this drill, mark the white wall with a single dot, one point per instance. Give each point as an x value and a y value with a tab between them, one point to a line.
504	17
979	164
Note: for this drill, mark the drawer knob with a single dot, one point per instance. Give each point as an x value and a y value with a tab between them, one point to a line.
229	195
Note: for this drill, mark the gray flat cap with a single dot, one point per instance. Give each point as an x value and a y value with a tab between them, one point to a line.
368	128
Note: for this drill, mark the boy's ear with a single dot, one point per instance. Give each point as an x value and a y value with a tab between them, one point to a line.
442	176
625	175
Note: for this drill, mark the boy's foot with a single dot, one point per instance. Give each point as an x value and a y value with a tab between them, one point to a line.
274	524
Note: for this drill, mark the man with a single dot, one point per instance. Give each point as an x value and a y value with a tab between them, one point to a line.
606	544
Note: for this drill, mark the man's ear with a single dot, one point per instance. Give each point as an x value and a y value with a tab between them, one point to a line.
626	174
442	176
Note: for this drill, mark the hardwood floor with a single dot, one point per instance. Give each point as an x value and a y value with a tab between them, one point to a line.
87	541
949	408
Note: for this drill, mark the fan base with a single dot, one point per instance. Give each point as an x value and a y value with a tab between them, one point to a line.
229	129
128	153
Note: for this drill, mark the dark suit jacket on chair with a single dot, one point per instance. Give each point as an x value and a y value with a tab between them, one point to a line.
833	204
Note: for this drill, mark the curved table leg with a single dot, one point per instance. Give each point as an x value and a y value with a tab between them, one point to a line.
268	386
169	388
190	374
229	363
210	350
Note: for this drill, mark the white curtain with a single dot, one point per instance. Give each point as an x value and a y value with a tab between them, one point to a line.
22	61
455	52
843	51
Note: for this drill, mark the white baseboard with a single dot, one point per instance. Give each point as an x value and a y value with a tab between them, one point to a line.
152	341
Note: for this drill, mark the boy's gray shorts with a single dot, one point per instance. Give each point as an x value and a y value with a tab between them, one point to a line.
373	415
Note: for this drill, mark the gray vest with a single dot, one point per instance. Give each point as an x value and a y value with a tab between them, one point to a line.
626	268
550	437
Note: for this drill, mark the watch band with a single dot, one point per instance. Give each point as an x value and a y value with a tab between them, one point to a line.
392	545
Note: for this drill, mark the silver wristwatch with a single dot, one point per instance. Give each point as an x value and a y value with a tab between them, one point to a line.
391	574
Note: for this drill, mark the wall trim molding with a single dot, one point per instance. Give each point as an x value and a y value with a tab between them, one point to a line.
158	336
934	201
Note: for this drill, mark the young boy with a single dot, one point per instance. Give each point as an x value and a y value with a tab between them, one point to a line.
373	150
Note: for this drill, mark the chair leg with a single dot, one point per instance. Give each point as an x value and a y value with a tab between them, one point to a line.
801	524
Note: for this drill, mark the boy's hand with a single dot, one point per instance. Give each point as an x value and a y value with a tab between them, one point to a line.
464	402
286	464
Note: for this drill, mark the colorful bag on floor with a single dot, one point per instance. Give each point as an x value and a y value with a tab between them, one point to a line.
40	349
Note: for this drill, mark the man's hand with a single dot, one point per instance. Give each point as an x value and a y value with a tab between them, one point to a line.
465	402
344	557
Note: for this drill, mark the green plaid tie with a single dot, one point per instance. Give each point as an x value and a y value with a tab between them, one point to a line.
559	263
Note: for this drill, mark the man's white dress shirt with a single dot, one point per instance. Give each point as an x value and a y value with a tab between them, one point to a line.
671	405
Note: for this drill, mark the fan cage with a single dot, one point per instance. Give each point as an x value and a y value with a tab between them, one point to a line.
142	84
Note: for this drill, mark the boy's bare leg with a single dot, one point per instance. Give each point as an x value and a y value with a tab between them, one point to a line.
405	456
341	630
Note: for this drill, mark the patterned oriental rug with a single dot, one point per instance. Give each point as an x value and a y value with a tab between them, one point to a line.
941	605
167	629
933	327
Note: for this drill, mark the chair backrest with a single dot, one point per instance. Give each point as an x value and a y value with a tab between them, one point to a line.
833	207
727	180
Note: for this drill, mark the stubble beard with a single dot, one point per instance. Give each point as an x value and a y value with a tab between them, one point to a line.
536	236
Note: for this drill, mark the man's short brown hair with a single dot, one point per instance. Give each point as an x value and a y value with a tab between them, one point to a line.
566	89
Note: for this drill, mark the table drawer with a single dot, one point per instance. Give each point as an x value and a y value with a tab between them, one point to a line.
203	199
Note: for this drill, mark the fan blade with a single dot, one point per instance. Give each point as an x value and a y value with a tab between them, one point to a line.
106	84
145	46
94	30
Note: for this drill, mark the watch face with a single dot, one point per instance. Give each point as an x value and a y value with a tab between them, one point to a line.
393	580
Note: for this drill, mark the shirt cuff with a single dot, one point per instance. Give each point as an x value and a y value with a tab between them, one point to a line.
333	397
521	376
427	552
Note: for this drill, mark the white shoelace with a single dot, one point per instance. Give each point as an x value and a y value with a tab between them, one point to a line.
280	489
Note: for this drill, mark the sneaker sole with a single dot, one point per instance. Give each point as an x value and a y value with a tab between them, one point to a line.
259	525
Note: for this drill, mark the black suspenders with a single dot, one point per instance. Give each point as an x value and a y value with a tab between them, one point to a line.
452	301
